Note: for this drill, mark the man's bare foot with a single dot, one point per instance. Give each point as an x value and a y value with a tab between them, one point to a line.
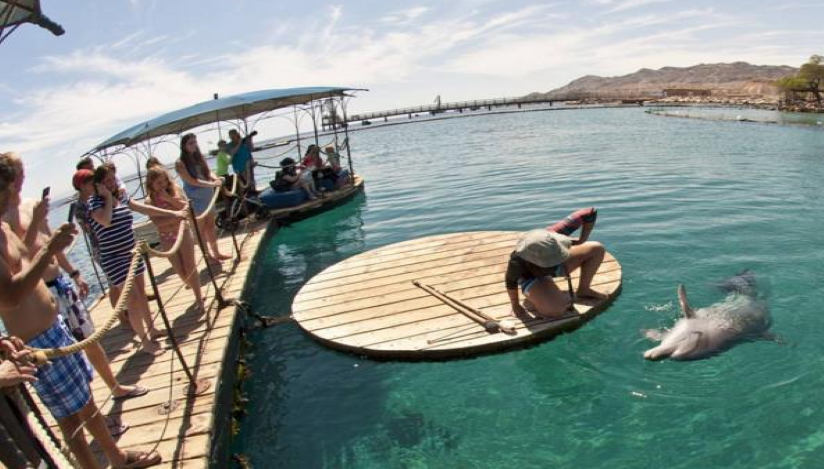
223	257
529	306
570	313
590	293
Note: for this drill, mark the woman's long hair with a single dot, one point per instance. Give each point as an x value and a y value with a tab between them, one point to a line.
194	159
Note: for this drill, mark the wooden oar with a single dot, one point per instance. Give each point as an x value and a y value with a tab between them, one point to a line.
504	327
487	322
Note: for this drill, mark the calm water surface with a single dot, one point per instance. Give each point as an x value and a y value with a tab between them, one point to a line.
681	201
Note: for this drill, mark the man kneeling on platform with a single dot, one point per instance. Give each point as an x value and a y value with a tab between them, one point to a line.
30	312
543	254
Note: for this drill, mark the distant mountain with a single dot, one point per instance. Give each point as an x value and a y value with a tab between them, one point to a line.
738	78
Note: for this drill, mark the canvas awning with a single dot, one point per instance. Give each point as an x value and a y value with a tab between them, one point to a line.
234	107
13	13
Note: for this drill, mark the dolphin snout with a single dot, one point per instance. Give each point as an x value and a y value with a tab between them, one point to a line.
655	354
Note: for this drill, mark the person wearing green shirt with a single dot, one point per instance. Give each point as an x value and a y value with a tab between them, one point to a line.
223	159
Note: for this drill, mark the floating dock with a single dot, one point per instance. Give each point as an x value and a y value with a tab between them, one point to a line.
368	304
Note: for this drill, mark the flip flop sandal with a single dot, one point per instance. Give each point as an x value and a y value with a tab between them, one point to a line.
136	392
116	427
138	459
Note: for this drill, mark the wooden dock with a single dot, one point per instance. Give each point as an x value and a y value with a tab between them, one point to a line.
185	435
368	304
182	436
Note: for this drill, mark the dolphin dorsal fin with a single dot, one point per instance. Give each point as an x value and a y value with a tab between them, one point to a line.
685	305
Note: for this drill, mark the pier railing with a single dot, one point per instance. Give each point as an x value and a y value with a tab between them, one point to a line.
631	96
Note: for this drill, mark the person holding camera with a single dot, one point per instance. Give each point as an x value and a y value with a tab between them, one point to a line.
240	150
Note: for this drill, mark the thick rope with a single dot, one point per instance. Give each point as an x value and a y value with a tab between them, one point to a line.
41	356
184	224
211	205
61	456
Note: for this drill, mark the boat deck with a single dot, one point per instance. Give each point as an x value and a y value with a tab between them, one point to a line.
368	305
183	436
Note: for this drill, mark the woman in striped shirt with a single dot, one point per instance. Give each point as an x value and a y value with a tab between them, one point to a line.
110	211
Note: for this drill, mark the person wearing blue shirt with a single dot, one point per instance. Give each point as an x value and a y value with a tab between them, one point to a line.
240	150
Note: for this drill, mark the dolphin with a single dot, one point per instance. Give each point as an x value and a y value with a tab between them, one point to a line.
704	332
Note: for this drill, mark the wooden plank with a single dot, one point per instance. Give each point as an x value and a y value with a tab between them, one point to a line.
416	310
371	307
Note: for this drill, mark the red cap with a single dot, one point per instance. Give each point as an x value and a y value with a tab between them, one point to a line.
81	177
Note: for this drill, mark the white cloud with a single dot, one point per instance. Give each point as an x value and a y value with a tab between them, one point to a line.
403	17
623	5
108	88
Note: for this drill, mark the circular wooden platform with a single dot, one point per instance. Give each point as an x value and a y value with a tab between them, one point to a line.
368	305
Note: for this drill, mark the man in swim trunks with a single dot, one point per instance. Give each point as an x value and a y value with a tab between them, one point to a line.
30	312
543	254
28	219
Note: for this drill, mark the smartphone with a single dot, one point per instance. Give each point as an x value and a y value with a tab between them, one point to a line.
71	213
46	192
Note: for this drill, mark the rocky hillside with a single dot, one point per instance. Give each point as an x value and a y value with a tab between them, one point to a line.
739	78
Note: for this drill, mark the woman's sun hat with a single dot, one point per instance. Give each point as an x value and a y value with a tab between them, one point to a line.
543	248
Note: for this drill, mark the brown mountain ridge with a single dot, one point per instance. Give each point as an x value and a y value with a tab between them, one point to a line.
721	79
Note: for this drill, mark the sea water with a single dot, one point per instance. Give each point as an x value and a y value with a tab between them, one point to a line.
680	202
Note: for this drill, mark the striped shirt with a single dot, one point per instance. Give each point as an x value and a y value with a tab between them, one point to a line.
115	241
118	237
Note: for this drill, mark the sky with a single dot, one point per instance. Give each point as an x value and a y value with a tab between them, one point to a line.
121	62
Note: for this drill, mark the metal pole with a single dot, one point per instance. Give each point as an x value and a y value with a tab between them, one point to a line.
314	122
237	247
221	302
348	144
217	119
297	132
334	113
91	258
195	388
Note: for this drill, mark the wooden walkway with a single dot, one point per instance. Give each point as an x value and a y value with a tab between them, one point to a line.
368	304
182	436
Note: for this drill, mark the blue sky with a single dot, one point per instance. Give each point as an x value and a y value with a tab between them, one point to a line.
123	61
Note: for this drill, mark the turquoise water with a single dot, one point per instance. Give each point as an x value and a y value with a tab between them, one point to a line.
681	201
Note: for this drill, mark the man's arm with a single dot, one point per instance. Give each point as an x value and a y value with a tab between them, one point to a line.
39	213
15	287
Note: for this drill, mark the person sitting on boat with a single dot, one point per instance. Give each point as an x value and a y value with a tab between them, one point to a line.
240	152
333	161
545	253
313	164
288	178
332	158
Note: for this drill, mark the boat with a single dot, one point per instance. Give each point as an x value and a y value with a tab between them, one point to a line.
325	106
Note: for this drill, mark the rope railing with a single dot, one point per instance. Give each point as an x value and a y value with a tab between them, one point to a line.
175	247
41	356
60	455
206	212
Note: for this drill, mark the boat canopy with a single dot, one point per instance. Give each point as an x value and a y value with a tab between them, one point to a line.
237	107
